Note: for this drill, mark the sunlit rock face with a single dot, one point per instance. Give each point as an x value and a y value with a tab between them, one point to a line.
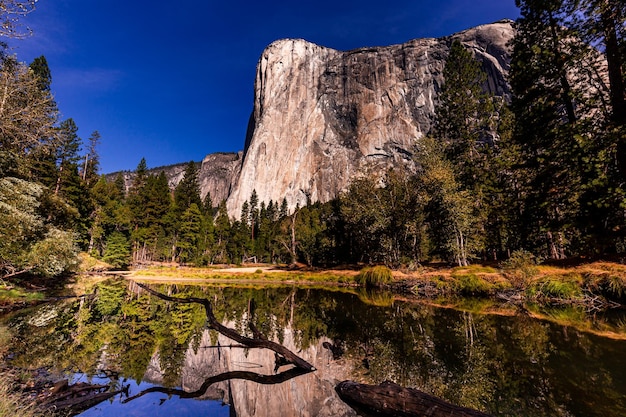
321	116
307	395
215	174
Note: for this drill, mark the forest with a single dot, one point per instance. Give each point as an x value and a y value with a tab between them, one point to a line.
543	174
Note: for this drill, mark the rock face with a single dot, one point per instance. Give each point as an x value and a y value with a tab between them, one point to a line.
309	395
321	116
215	174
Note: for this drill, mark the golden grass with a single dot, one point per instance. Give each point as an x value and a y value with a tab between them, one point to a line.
12	404
600	278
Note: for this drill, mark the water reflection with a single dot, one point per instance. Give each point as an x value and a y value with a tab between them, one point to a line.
501	364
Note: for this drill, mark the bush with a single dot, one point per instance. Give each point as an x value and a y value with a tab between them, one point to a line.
471	284
55	254
522	265
556	288
374	276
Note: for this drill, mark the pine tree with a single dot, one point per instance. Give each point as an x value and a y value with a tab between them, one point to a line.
67	151
206	246
462	114
187	191
117	250
464	127
190	233
40	68
554	126
92	159
222	233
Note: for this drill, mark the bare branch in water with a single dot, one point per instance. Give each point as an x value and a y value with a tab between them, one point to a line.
249	376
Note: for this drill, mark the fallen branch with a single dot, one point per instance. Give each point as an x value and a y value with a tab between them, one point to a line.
213	323
389	399
249	376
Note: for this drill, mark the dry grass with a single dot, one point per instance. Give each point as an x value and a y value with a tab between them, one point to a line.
544	281
12	404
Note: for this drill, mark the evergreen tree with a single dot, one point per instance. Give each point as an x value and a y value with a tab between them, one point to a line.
117	250
67	152
111	214
554	124
254	214
187	191
462	115
222	234
206	246
190	233
40	68
92	160
465	129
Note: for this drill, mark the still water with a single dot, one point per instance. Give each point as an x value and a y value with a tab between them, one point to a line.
533	362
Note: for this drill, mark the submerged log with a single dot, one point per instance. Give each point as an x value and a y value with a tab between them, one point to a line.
70	400
389	399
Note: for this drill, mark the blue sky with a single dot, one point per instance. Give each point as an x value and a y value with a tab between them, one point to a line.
173	81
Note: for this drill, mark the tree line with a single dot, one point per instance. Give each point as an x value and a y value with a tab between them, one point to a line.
543	172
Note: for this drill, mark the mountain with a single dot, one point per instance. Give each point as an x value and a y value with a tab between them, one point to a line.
322	116
215	174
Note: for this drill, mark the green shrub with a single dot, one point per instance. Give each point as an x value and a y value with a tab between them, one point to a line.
556	288
522	266
374	276
471	284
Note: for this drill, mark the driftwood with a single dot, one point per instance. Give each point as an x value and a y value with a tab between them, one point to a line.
258	341
74	399
389	399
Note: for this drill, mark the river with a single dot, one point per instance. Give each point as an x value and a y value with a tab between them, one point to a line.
500	359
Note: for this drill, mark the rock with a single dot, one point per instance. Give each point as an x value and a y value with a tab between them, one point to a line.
322	116
215	174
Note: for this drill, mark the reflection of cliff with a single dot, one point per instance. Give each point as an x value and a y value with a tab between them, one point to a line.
312	394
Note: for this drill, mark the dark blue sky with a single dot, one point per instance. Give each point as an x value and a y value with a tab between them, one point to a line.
173	80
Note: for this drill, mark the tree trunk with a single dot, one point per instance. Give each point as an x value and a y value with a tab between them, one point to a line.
566	93
609	20
614	62
293	238
389	399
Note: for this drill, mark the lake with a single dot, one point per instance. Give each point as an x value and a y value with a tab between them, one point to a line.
500	359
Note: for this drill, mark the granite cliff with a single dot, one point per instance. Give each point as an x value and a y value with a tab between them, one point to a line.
322	116
215	174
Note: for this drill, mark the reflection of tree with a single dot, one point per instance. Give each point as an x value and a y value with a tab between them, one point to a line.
258	341
504	365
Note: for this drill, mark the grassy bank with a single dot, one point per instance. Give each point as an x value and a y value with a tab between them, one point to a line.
594	282
13	297
12	403
597	283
